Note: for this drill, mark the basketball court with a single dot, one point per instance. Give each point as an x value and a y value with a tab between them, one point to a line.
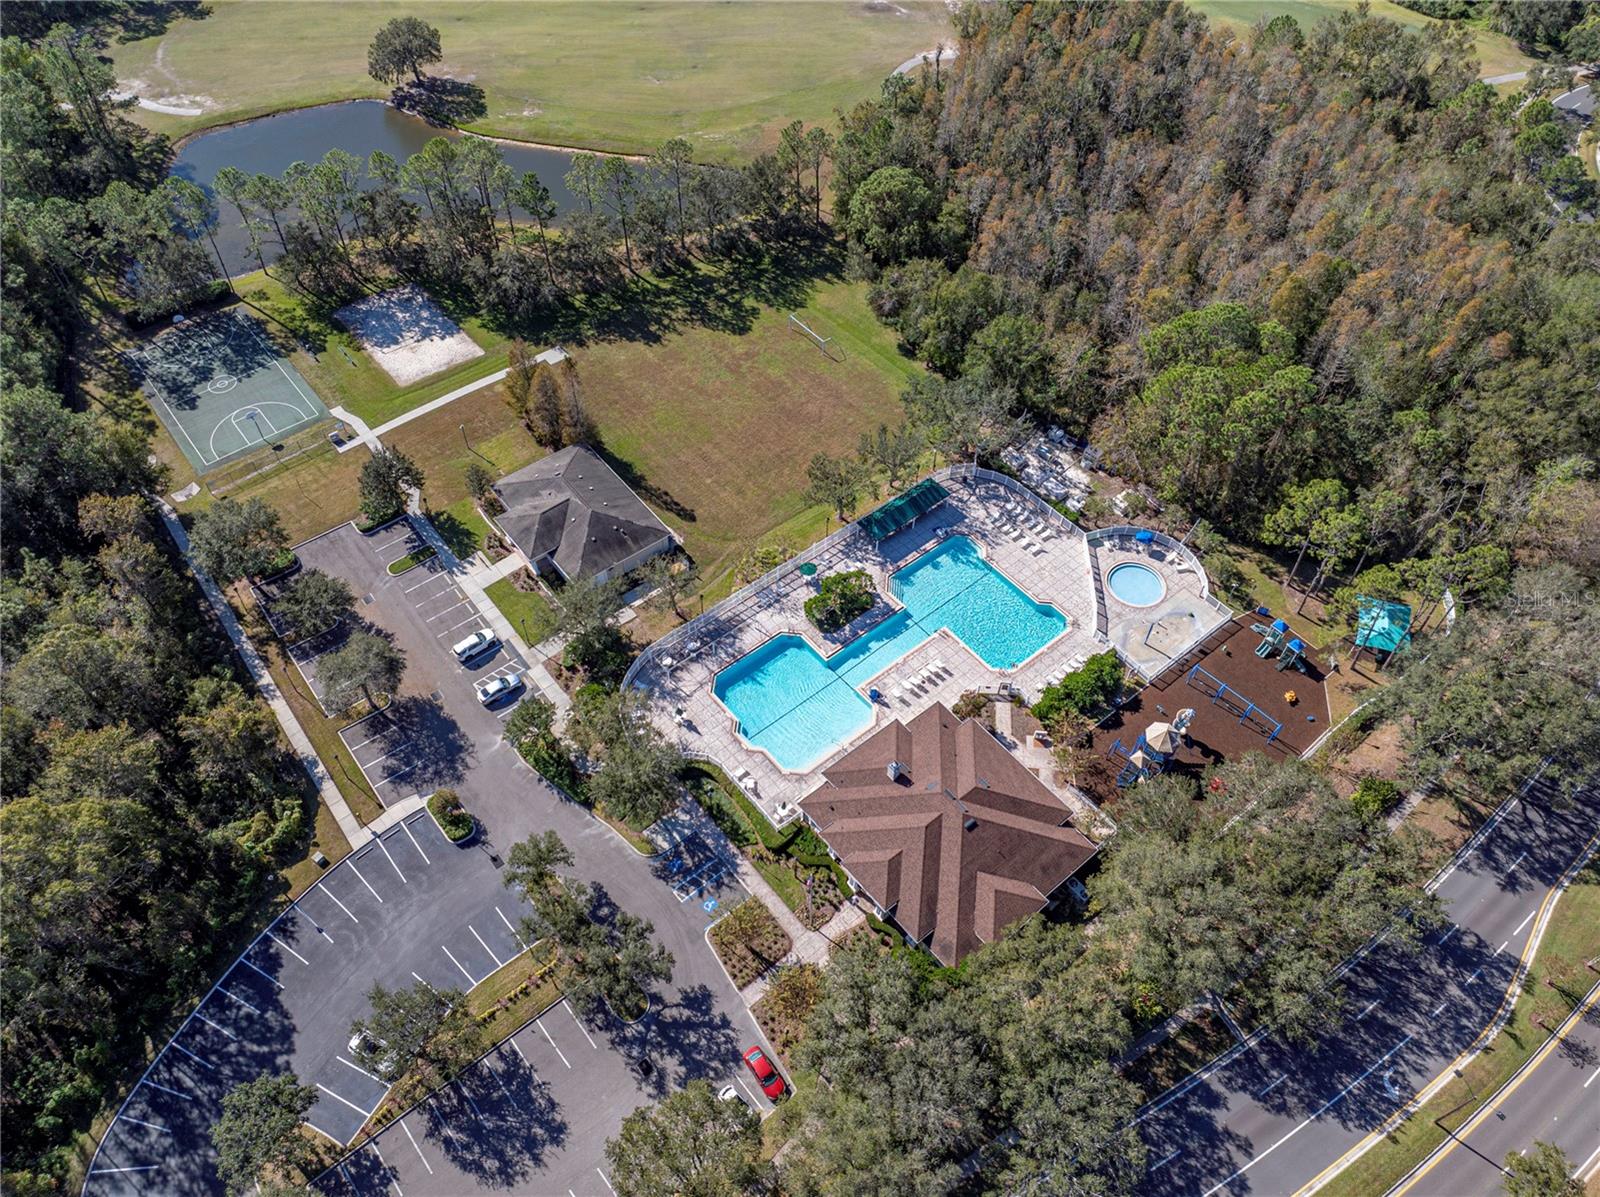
222	390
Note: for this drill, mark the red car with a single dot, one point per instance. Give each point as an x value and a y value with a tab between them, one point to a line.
772	1083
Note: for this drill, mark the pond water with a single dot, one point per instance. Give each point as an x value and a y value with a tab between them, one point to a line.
270	145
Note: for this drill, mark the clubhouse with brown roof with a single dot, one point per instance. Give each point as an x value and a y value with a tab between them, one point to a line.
945	831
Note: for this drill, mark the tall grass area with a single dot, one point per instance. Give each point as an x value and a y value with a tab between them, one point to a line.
621	77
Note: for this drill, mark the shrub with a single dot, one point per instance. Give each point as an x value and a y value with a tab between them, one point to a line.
453	818
970	705
840	598
1374	795
1084	690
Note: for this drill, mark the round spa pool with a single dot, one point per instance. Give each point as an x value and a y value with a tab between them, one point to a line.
1135	584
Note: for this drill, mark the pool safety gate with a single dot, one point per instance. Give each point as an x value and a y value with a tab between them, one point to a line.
1230	699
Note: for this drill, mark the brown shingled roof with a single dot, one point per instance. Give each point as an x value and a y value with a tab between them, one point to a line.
960	844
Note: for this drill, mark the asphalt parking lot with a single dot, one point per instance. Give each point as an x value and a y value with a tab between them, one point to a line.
409	906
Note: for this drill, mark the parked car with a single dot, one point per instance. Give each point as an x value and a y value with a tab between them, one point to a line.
770	1079
731	1093
492	689
372	1053
474	644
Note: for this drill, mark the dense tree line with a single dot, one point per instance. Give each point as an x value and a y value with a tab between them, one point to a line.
146	796
1318	257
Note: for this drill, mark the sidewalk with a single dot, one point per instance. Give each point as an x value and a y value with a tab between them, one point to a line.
257	668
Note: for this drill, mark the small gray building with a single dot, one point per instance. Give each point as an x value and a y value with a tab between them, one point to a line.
573	517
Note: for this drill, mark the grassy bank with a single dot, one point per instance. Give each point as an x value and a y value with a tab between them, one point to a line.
619	77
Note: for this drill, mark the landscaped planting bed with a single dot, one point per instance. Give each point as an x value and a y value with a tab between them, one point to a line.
749	941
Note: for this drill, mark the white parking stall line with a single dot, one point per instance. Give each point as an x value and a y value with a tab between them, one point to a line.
385	756
139	1168
446	611
1438	1010
405	828
393	1184
510	928
365	1114
755	1102
579	1021
368	740
450	594
365	882
286	948
164	1089
602	1176
381	711
415	1148
1368	1010
497	961
420	981
388	777
517	1047
476	1111
166	1130
1273	1084
358	1068
552	1043
457	627
1592	1075
1165	1160
428	581
1516	862
404	543
229	994
217	1025
339	904
470	978
192	1056
1501	948
401	875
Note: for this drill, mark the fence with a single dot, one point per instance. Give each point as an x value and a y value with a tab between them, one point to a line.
1188	555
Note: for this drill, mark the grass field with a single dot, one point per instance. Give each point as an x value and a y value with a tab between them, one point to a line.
1497	54
528	612
609	76
1556	982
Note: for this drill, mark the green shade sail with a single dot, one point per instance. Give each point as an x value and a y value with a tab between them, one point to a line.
897	513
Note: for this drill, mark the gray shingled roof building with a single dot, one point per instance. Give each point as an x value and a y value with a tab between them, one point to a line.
571	513
946	831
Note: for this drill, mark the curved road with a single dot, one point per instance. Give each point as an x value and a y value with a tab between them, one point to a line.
1271	1117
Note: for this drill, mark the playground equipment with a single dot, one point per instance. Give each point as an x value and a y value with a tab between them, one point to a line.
1222	694
1271	637
1182	720
1293	655
1381	626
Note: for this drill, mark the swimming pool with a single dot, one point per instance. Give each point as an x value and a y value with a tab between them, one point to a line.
1136	584
797	705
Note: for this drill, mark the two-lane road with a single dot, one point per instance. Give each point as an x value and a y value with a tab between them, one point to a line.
1272	1117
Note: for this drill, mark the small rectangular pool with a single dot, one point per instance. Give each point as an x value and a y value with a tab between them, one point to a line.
798	705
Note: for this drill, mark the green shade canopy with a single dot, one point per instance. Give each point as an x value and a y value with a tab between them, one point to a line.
1382	625
808	569
897	513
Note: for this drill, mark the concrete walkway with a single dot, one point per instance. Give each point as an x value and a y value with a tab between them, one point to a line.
369	436
259	674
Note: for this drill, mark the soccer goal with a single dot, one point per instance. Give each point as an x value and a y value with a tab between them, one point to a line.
828	345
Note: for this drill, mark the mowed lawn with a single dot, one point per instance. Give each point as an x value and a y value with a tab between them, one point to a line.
1497	54
609	76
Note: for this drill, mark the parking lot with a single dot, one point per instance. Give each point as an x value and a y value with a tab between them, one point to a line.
408	907
530	1117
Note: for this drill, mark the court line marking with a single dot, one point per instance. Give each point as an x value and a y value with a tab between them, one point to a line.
552	1042
364	1113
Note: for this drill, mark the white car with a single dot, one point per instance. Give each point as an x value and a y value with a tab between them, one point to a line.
492	689
474	644
731	1093
375	1050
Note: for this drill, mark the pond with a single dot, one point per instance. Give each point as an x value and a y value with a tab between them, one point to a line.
270	145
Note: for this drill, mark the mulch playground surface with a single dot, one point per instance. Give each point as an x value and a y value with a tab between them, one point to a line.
1217	735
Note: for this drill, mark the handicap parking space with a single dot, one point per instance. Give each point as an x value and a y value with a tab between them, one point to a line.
701	871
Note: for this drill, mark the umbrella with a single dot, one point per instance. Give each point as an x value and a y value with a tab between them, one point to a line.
1139	761
1161	737
1144	536
808	569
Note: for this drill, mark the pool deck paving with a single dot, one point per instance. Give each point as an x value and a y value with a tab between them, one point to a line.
1041	552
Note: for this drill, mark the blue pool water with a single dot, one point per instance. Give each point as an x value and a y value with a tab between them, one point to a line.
797	705
1135	584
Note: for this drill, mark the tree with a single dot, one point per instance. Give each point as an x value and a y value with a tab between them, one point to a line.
383	482
533	197
403	46
1545	1171
532	718
194	212
420	1025
364	664
891	214
531	865
313	602
544	418
673	579
836	483
1294	519
675	160
480	483
637	781
258	1136
689	1144
893	452
586	610
233	540
618	966
1013	352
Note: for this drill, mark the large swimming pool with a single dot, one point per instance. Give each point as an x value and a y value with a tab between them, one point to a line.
799	705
